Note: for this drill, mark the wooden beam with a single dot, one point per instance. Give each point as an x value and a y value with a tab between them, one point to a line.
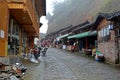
15	6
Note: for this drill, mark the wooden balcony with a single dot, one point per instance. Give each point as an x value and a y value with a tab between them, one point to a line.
24	12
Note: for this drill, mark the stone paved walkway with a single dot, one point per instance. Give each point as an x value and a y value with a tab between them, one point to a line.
62	65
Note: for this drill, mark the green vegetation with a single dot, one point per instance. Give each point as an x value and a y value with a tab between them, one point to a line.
74	12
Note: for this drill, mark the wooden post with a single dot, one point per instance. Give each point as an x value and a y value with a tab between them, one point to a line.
4	21
86	42
20	40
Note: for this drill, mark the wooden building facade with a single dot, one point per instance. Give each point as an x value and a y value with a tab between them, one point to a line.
19	24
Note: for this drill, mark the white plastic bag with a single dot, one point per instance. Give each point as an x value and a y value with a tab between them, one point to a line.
40	58
32	59
13	77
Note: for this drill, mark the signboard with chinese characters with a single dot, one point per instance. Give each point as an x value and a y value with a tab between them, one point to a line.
2	34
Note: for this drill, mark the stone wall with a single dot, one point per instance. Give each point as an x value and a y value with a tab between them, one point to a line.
10	59
108	48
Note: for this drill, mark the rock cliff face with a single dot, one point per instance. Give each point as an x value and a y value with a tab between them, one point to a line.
74	12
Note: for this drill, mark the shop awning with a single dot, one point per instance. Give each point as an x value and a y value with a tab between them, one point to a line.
81	35
93	33
62	36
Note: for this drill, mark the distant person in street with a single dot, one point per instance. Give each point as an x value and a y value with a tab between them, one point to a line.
94	51
39	49
36	53
44	50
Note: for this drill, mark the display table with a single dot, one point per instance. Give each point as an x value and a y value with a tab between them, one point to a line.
88	51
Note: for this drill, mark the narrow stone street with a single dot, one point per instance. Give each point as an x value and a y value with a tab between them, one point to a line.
62	65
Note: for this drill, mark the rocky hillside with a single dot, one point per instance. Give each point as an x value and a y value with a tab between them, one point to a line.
74	12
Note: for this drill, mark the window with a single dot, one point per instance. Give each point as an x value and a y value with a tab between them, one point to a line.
99	33
108	31
104	34
111	27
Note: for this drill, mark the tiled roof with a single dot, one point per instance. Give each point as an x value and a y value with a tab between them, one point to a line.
83	26
113	15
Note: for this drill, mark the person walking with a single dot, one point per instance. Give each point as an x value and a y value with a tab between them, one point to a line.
35	51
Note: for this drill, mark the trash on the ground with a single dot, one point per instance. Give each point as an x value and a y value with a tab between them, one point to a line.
14	72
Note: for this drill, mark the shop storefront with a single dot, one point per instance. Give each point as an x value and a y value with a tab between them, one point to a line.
24	41
86	40
13	37
18	27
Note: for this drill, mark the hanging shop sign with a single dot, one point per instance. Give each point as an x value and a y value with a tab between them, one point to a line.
2	34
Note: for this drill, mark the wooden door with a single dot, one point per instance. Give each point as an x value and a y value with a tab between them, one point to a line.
119	49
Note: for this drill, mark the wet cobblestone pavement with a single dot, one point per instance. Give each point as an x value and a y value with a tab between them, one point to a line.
62	65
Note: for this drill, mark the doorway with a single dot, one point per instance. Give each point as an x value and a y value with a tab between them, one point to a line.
13	37
119	50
